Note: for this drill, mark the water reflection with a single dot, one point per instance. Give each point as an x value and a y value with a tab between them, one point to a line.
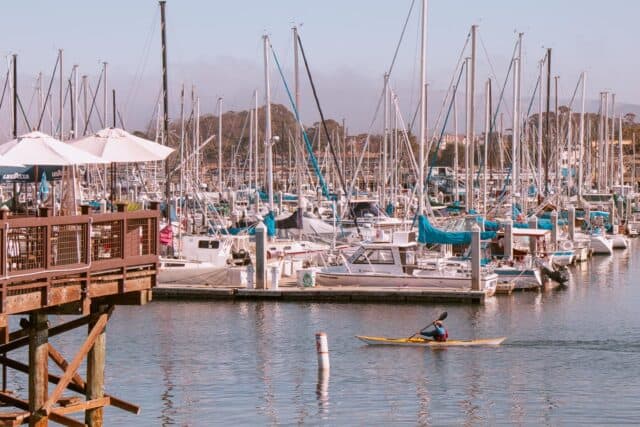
322	393
265	334
258	367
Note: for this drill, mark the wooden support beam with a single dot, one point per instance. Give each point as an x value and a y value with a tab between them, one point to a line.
62	363
38	369
56	330
118	403
95	372
83	406
97	329
57	416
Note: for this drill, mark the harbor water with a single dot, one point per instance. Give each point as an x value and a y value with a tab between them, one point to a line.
572	357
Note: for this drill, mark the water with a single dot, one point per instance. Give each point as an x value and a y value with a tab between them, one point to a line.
572	357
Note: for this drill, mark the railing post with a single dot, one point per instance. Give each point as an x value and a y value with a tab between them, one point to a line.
84	209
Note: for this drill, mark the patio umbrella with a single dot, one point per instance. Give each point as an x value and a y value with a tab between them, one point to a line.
37	148
116	145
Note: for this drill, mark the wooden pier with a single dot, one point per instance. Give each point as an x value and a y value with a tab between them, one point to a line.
69	265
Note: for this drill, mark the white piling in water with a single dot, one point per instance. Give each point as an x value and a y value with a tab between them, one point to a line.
508	240
572	223
475	258
322	348
261	256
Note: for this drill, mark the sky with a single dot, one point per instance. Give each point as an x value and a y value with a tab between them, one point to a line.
216	47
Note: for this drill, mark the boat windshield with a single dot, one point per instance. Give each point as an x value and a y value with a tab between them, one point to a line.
375	256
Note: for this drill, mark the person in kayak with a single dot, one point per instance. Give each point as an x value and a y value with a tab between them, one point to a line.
439	332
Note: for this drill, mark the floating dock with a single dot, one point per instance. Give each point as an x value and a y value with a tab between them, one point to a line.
290	292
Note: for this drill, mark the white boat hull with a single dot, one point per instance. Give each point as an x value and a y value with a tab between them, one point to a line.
619	241
489	281
522	279
601	245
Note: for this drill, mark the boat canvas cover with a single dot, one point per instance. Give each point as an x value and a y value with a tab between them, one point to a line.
427	234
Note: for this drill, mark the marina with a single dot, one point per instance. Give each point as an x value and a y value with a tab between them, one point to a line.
214	231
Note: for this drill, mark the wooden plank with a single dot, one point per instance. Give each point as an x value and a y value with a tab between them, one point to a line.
62	363
23	404
83	406
118	403
77	360
56	330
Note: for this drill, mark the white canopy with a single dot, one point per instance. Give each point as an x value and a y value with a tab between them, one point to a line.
116	145
39	149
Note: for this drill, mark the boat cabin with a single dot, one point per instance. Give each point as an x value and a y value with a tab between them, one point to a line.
389	258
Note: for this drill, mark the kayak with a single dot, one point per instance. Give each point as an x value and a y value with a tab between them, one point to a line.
424	342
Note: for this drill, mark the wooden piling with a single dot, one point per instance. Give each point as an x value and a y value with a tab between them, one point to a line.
95	371
38	368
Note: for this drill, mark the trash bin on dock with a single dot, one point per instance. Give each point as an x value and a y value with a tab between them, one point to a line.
306	277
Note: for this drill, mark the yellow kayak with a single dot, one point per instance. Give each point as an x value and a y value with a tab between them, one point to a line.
423	342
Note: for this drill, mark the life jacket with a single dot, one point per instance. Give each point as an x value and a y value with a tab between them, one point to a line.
442	338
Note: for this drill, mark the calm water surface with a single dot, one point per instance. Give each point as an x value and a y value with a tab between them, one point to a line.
572	357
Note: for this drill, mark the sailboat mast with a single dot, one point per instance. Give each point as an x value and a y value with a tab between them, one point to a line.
299	152
14	116
581	137
267	125
423	106
515	138
220	178
540	184
61	100
547	148
165	104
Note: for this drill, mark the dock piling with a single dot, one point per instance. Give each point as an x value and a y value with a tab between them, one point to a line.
572	223
508	240
554	230
475	257
261	256
533	242
322	349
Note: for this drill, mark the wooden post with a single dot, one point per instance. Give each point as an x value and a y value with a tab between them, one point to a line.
38	368
533	241
554	230
261	256
121	206
4	338
508	240
572	223
84	209
476	270
95	371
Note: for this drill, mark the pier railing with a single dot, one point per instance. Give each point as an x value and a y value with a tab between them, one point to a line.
43	255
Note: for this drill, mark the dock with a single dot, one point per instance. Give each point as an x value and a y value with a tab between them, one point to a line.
342	294
81	265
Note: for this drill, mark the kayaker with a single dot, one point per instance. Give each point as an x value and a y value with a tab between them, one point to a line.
439	332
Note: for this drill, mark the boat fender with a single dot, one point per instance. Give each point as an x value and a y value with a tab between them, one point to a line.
567	245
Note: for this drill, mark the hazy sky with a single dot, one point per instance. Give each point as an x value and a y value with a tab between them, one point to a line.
217	47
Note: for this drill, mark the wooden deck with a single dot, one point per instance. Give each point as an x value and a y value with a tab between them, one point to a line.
77	265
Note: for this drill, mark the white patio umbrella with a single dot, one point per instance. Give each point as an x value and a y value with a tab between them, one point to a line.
38	149
116	145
